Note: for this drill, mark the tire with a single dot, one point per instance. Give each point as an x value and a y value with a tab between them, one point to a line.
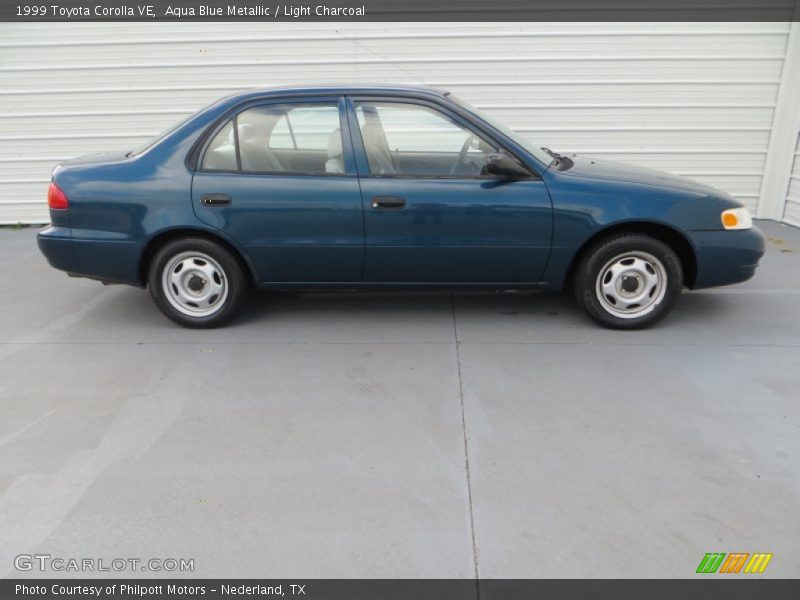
629	281
197	283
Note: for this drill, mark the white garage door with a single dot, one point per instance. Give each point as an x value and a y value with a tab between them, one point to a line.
792	212
693	98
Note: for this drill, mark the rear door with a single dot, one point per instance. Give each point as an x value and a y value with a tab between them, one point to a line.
279	178
430	213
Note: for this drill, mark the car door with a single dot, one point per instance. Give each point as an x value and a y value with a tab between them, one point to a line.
430	214
279	178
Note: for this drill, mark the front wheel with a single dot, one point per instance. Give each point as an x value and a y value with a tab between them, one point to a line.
197	283
630	281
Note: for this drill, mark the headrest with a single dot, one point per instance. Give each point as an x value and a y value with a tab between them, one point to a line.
335	143
246	132
370	132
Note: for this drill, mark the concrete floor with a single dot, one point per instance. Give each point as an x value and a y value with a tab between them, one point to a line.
324	436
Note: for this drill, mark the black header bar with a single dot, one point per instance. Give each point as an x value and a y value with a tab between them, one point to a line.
399	10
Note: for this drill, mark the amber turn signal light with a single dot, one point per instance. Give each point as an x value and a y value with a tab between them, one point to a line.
737	218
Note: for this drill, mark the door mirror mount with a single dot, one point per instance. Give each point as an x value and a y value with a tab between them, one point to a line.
505	166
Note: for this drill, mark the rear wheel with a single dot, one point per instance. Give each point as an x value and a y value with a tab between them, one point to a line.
630	281
197	283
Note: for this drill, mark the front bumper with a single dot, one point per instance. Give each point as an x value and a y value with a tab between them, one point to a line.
726	257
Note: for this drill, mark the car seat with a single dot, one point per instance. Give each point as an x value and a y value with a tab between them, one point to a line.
335	162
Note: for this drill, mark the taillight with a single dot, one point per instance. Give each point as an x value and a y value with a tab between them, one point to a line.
56	198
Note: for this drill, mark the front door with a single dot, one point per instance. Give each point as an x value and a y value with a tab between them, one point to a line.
430	214
279	178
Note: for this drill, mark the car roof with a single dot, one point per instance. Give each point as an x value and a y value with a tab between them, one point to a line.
379	89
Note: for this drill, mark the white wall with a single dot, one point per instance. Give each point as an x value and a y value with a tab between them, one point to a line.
692	98
792	210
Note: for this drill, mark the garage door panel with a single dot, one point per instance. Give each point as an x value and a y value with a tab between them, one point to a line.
651	139
633	115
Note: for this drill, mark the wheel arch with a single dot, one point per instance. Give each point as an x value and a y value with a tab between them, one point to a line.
159	240
660	231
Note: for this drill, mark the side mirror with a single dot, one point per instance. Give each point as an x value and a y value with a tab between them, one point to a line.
503	165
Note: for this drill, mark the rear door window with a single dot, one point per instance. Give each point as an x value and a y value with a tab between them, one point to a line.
280	139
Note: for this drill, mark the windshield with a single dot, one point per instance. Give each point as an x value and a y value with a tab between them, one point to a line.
531	147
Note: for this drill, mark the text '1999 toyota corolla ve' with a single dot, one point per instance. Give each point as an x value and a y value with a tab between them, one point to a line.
384	187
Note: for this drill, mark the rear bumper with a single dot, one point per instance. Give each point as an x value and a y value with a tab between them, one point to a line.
96	255
726	257
56	245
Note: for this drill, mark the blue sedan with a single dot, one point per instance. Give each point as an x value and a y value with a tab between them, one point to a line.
325	188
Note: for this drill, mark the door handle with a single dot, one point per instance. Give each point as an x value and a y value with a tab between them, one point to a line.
216	199
388	202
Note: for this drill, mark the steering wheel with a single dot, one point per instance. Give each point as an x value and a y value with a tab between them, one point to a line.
462	155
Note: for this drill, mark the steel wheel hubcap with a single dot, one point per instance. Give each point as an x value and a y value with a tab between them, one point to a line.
631	285
195	284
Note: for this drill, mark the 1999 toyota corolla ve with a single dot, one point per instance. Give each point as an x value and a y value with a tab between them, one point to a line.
391	188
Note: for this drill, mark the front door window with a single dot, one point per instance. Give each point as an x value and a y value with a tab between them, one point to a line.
415	140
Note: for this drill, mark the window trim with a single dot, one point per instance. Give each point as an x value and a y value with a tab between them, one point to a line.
198	153
360	150
291	129
235	122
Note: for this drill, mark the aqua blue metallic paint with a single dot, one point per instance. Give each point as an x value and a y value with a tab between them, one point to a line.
320	231
482	231
313	230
